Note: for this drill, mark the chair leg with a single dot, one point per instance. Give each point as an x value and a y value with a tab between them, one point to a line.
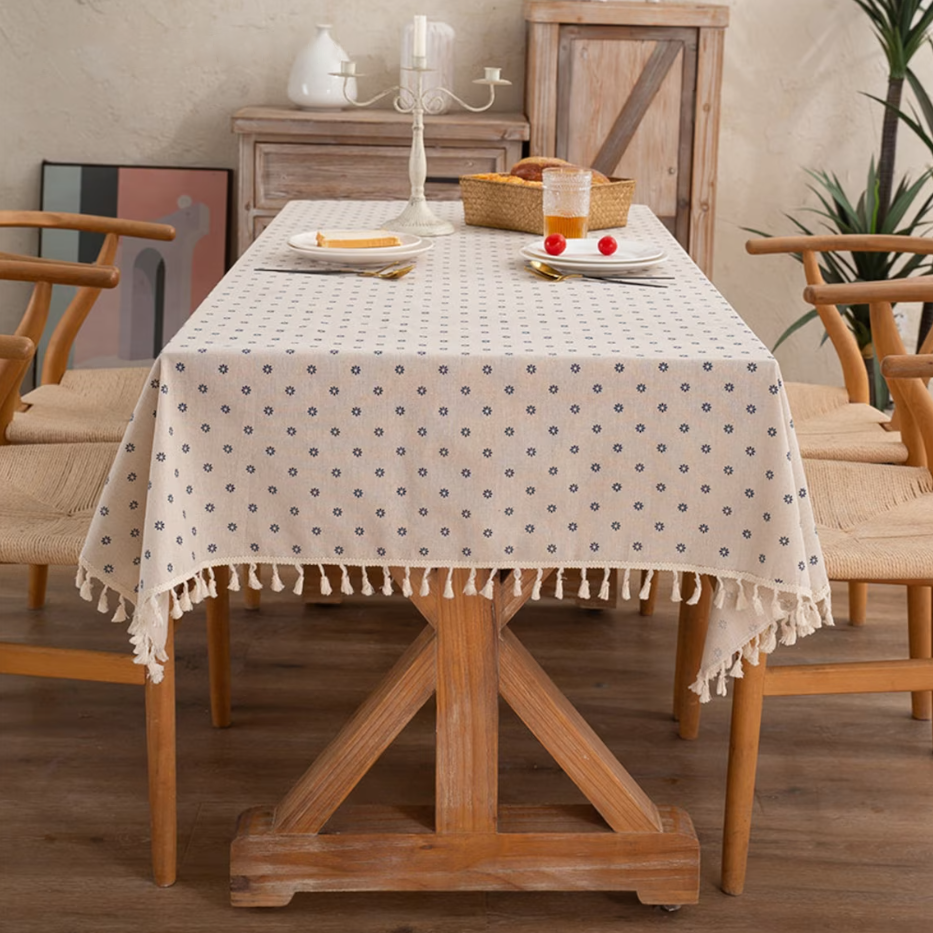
646	606
858	603
160	742
920	635
218	650
686	592
38	577
748	693
251	598
696	624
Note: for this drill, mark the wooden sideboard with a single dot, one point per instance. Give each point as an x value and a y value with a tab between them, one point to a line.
632	89
288	154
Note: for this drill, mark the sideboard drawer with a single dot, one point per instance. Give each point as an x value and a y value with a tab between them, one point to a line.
290	171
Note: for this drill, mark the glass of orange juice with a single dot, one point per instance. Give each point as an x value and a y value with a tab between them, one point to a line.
567	201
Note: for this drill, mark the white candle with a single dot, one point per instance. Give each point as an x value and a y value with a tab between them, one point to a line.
420	40
348	68
493	74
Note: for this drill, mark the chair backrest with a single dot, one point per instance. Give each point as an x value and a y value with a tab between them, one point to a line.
59	347
809	249
910	395
43	274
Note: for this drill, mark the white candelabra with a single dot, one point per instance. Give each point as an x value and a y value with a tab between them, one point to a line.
417	218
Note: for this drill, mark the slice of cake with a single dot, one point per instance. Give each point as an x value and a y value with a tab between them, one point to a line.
356	239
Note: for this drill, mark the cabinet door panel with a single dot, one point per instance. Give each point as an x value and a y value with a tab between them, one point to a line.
286	171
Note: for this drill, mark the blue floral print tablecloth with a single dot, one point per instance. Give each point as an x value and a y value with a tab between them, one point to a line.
468	415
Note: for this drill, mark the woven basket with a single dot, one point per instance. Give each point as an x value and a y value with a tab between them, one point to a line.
488	202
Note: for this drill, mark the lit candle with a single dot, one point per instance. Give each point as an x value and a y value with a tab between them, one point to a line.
348	68
493	74
420	42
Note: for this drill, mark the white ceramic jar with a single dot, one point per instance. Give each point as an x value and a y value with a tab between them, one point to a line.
440	59
311	85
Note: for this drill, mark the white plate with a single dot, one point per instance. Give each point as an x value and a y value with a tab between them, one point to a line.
306	245
586	250
595	267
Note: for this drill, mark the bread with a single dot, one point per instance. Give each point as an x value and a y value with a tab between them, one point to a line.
530	169
356	239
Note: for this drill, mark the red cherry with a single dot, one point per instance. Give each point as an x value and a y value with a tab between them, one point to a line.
607	245
555	244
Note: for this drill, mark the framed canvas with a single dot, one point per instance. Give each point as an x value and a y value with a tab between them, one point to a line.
161	283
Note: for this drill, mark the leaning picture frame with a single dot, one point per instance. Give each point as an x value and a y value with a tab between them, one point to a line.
161	283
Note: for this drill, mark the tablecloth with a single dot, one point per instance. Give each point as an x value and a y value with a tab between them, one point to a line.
468	415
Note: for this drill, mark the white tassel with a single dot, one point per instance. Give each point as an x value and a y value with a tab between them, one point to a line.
721	682
751	651
770	639
736	670
234	584
120	614
102	604
775	605
185	599
176	609
367	587
326	588
584	591
277	584
701	687
86	589
741	602
80	577
695	598
756	602
345	586
406	583
386	582
449	585
299	586
201	591
517	581
487	589
604	588
675	588
470	588
254	583
536	589
719	597
646	586
211	583
559	585
425	582
627	584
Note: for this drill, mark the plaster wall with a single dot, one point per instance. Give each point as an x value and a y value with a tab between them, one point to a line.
155	83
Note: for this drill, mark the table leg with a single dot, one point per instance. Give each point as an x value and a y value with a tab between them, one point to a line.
622	842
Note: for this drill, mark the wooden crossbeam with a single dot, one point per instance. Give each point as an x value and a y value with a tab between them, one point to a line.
70	664
572	743
371	730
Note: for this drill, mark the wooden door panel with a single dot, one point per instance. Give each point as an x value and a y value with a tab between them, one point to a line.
608	71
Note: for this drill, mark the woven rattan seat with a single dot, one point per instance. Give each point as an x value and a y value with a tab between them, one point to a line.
830	427
92	405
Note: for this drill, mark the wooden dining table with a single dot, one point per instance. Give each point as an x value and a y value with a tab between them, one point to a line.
470	436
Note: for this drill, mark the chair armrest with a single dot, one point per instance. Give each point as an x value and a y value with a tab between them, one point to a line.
847	242
27	269
916	288
88	223
908	366
16	348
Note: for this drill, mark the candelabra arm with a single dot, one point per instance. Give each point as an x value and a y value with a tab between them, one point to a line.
372	100
461	102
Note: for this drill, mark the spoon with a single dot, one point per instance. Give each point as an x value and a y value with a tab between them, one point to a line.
549	272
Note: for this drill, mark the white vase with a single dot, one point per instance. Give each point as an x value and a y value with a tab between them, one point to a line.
312	84
440	59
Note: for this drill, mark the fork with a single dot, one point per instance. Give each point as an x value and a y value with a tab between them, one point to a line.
386	272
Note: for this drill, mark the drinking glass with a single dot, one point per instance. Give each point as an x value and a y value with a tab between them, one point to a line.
566	201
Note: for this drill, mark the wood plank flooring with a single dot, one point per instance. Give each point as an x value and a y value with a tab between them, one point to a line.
843	834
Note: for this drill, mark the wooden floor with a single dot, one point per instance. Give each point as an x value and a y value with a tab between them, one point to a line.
843	834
